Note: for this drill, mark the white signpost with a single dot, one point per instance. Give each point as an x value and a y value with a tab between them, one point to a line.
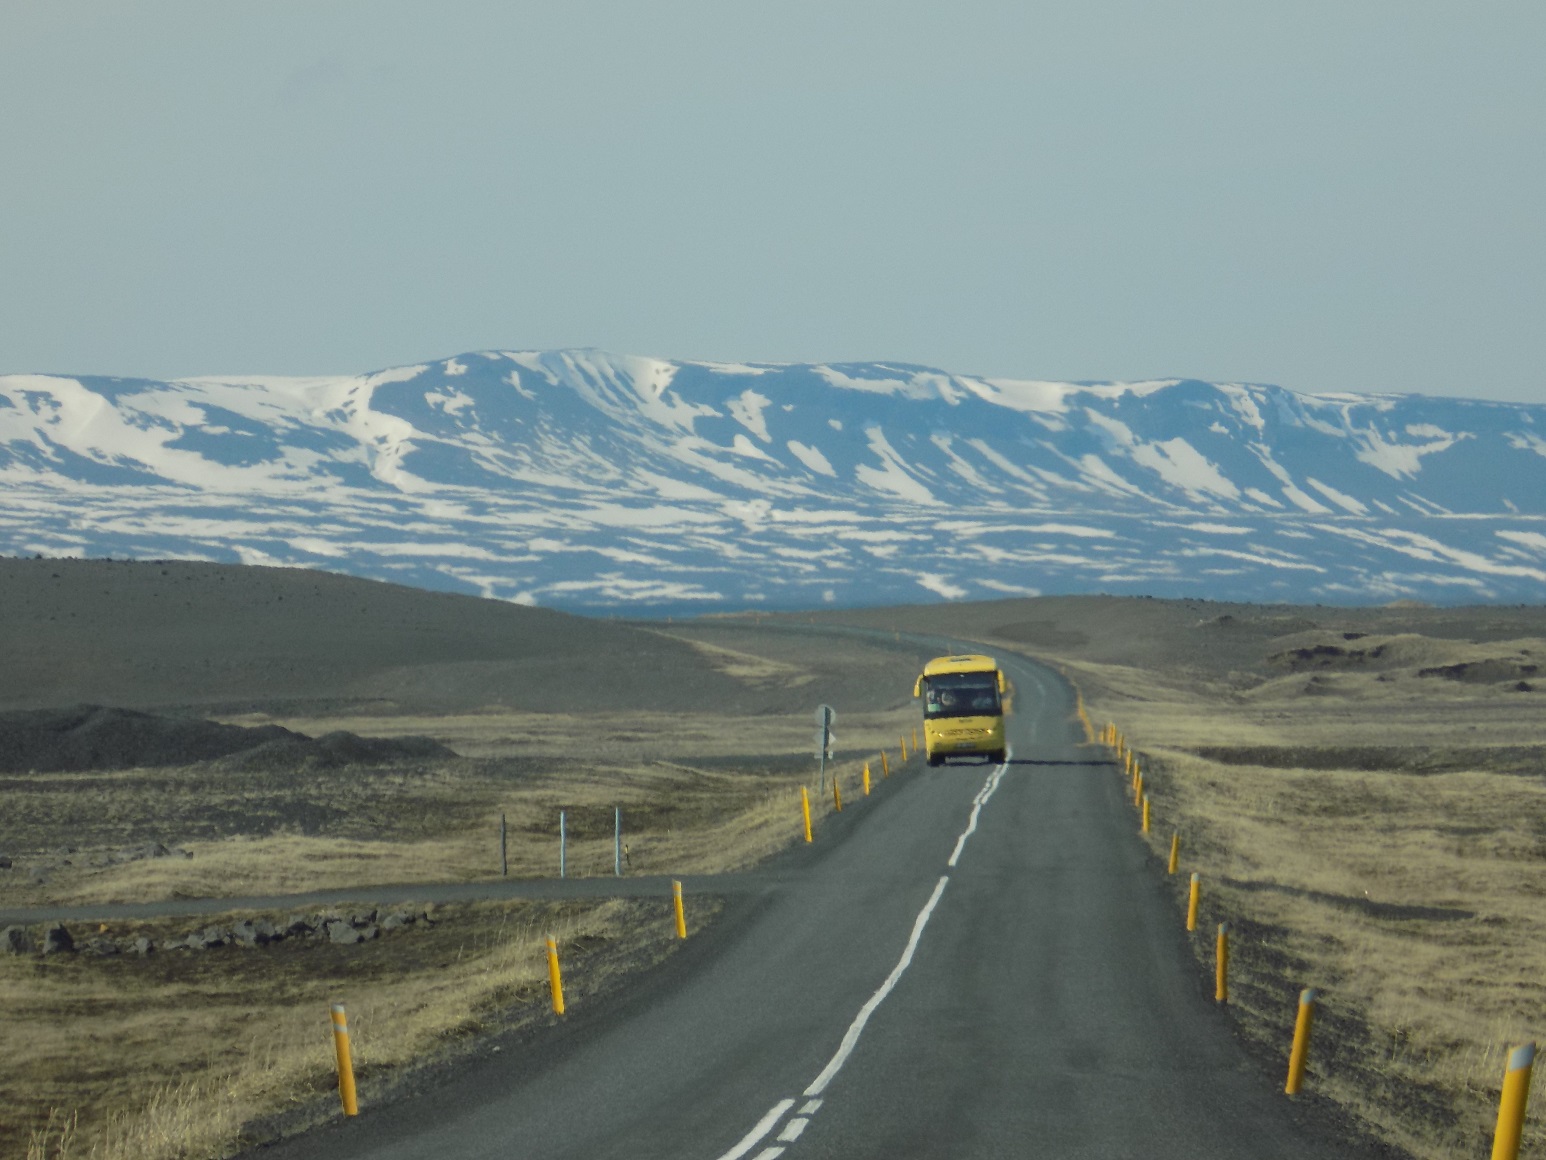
825	739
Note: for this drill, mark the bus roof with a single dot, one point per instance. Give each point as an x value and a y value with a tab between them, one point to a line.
966	663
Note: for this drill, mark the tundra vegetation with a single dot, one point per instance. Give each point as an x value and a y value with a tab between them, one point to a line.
199	1036
1360	789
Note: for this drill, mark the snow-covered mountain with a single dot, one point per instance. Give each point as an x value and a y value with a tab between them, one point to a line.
590	481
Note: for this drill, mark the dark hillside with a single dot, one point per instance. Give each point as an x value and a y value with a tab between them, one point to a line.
197	636
89	737
1208	637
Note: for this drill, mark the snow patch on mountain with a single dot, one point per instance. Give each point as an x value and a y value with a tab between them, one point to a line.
811	457
590	480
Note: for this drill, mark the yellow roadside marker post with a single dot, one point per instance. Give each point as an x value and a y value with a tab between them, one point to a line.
1511	1107
902	741
1138	787
1301	1048
866	779
1145	813
555	980
1191	903
346	1094
885	766
1175	853
681	917
837	795
1221	965
805	809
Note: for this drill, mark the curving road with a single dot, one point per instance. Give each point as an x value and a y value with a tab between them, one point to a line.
975	963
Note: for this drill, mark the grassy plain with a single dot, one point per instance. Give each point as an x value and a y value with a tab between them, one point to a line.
698	795
1387	846
183	1054
1363	792
198	1054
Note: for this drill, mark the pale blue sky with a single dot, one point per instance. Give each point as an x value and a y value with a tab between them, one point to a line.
1329	196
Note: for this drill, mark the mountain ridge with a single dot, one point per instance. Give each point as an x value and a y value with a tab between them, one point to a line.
590	481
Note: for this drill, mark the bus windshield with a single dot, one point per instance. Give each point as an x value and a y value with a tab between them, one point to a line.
961	695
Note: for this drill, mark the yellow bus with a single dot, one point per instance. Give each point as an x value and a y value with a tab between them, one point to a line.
963	708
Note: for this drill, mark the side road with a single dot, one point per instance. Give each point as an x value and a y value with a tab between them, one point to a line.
651	886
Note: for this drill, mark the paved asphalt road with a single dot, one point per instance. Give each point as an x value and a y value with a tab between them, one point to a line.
975	963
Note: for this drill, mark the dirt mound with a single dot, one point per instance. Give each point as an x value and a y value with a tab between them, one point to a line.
1486	672
91	737
332	751
1325	656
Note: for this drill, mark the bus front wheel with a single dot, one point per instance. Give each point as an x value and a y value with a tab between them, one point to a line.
936	759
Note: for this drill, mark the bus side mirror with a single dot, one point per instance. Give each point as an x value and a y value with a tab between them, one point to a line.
918	687
1001	680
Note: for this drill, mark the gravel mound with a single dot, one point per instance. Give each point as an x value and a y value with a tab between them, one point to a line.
333	750
92	737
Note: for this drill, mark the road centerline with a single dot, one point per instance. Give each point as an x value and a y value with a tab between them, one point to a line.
762	1128
851	1037
990	787
792	1129
856	1028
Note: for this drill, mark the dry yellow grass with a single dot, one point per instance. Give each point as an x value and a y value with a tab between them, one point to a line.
188	1052
258	1051
440	824
1411	892
175	1099
750	667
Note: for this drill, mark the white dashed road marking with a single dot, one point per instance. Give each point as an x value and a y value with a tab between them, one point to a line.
978	802
794	1127
754	1137
792	1130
